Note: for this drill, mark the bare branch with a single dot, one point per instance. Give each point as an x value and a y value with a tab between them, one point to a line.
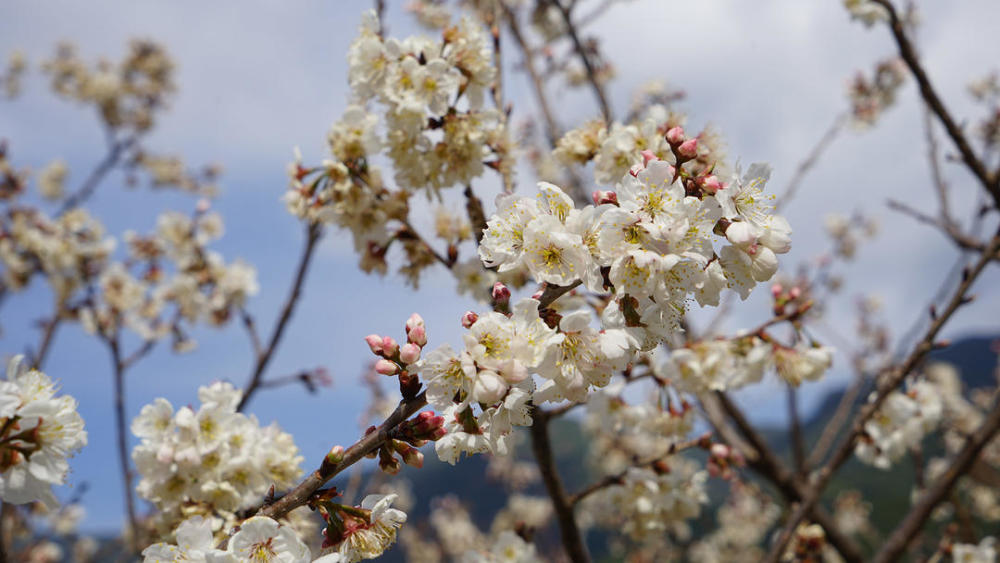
900	538
588	65
889	382
313	233
115	152
810	161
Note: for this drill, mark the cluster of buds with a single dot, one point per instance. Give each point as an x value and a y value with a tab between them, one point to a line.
684	148
807	544
501	300
790	300
722	459
405	439
358	532
395	359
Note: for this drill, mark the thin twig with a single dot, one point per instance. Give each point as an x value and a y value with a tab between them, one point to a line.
909	55
836	422
551	128
768	465
900	538
313	234
48	336
588	65
889	382
810	161
90	185
949	228
798	440
122	440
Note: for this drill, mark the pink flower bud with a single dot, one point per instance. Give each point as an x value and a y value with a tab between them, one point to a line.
711	184
501	294
776	290
602	197
413	322
689	148
675	135
389	346
418	336
413	457
203	205
647	156
469	319
795	292
409	353
375	343
386	367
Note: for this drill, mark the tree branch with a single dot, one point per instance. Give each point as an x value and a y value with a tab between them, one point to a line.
313	233
889	382
901	537
90	185
541	446
581	51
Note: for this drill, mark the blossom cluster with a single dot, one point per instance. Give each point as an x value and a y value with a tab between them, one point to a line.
127	93
38	432
203	288
211	461
900	424
10	78
650	243
871	96
259	540
360	532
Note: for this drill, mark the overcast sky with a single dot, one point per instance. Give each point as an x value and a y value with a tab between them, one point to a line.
259	78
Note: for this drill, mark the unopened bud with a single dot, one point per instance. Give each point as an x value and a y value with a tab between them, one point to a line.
711	184
602	197
501	294
689	148
776	290
647	157
409	353
418	336
720	451
469	319
386	367
389	346
675	135
413	322
335	456
375	343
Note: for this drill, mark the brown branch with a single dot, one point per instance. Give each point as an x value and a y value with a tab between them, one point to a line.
313	233
909	55
618	478
541	446
251	325
889	382
551	128
793	488
900	538
588	65
836	422
121	425
48	335
810	161
949	228
477	217
90	185
553	292
795	430
303	491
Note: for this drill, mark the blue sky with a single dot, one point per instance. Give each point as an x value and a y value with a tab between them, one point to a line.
257	79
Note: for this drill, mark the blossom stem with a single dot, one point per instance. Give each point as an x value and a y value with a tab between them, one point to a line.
588	65
92	182
313	233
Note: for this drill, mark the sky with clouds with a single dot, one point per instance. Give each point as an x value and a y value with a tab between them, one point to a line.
259	78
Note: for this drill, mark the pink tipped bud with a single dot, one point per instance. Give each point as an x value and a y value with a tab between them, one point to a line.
795	292
418	336
413	322
647	157
689	148
375	343
386	367
602	197
469	319
776	290
675	135
711	184
501	294
203	205
409	353
389	346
